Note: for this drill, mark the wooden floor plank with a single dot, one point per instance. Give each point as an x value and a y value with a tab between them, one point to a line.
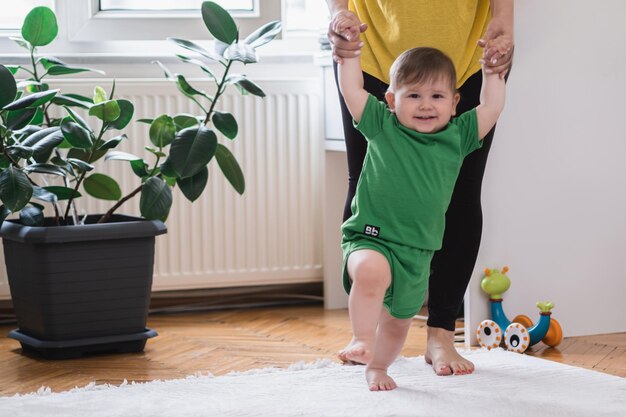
219	342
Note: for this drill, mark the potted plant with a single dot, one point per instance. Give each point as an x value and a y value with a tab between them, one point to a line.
81	284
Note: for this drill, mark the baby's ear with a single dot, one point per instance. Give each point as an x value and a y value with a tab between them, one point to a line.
457	98
390	98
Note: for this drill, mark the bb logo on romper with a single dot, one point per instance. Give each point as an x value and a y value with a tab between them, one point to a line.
371	230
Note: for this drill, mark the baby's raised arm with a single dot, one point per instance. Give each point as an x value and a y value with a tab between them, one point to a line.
492	93
351	76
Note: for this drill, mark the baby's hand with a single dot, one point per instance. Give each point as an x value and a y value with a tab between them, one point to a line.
497	54
346	25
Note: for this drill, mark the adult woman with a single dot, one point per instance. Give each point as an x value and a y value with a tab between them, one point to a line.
454	26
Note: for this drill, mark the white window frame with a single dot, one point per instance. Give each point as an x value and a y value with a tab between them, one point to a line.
86	23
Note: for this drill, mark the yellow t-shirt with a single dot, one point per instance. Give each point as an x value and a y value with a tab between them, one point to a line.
453	26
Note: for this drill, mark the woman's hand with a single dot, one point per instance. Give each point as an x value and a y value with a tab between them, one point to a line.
344	32
498	47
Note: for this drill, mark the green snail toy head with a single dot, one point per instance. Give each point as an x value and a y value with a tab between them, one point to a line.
495	282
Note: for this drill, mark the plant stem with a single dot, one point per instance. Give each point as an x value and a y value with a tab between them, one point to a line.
218	93
117	205
32	60
71	200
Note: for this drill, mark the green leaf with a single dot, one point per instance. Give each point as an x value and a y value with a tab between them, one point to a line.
13	68
186	88
20	42
4	213
200	64
64	69
162	131
40	26
220	47
219	22
38	134
85	155
15	189
139	167
193	187
146	121
77	136
167	169
31	215
127	109
42	150
8	87
264	34
99	95
18	119
32	101
112	143
50	61
38	117
32	86
18	151
63	193
245	84
103	187
156	199
194	47
192	150
183	121
241	52
73	100
44	195
155	151
225	123
121	156
168	73
80	164
229	166
107	111
75	117
45	169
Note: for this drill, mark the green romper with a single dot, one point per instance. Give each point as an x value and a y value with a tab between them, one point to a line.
402	197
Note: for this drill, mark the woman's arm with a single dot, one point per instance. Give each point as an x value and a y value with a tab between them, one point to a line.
501	28
342	47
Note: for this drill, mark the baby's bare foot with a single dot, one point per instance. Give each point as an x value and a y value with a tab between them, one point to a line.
441	354
378	380
357	352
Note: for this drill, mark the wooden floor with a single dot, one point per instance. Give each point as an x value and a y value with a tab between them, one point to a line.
224	341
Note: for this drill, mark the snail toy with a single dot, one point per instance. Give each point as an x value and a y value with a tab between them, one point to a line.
519	334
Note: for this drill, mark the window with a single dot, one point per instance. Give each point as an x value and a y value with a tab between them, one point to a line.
13	14
235	7
99	26
309	15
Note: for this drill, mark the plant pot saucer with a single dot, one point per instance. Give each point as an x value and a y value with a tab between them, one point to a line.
67	349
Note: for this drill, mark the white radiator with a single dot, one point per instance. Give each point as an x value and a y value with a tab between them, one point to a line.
271	234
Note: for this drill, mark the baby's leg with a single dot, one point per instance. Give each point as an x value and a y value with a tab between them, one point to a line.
390	339
371	276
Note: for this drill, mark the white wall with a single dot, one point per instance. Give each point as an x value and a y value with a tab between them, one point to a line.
555	188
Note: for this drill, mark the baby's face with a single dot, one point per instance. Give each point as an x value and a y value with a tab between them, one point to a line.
424	107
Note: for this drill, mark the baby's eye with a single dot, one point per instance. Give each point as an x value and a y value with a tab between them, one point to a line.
414	95
438	96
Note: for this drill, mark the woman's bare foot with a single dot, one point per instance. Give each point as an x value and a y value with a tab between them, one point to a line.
357	352
441	354
378	380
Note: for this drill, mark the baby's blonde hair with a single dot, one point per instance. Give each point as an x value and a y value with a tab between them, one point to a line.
420	65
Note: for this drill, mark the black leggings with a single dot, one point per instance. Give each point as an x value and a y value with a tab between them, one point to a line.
452	266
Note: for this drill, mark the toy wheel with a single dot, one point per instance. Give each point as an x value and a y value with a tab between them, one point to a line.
489	334
516	338
555	334
523	320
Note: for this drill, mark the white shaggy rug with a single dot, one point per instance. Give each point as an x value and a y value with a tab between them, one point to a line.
505	384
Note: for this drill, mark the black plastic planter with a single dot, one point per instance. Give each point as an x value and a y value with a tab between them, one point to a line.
81	289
